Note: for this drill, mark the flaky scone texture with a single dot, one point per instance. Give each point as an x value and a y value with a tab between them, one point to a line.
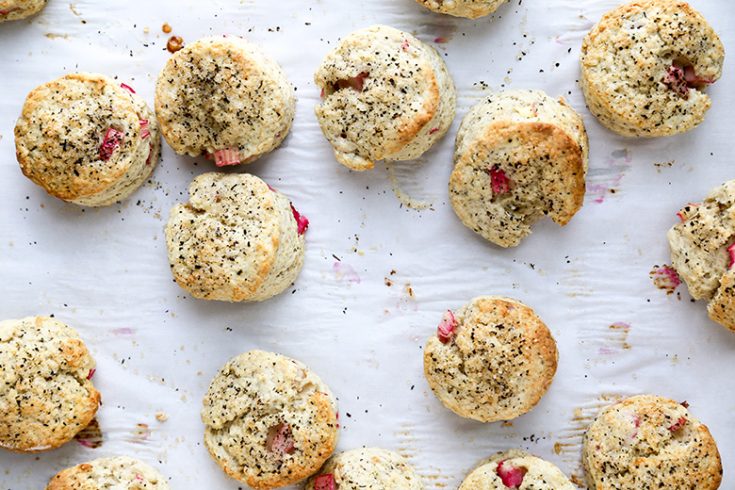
702	251
648	442
471	9
644	66
535	474
118	473
235	240
46	392
20	9
385	96
498	363
269	420
520	155
62	130
369	468
223	93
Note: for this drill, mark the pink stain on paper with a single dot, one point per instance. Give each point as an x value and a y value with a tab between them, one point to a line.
123	331
606	180
345	273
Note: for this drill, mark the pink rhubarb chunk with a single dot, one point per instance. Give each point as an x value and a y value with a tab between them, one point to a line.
678	425
447	328
145	131
731	252
280	439
681	79
356	83
227	157
499	182
511	477
127	87
302	222
324	482
91	373
113	138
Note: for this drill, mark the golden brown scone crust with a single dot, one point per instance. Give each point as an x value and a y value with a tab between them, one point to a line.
648	442
119	473
471	9
499	363
252	395
20	9
46	392
625	59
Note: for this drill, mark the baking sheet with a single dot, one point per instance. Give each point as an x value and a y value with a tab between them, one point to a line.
104	271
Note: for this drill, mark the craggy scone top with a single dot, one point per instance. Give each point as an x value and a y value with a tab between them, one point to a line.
19	9
385	96
516	469
491	360
270	421
471	9
644	66
46	392
368	468
119	473
647	443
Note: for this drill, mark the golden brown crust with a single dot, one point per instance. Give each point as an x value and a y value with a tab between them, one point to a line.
721	308
108	473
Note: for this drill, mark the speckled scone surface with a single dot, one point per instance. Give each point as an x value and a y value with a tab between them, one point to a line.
224	93
520	155
20	9
702	251
270	421
370	468
235	240
644	66
86	139
119	473
648	442
46	395
385	96
471	9
516	469
491	360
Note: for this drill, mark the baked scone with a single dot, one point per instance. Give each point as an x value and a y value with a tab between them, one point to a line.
703	251
520	155
645	64
237	239
471	9
46	392
270	421
223	97
87	139
119	473
361	469
385	96
20	9
493	359
516	469
648	442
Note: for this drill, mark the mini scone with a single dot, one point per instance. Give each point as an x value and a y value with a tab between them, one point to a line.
520	155
237	239
270	421
385	96
223	97
648	442
20	9
491	360
703	251
471	9
644	66
46	392
118	473
370	468
516	469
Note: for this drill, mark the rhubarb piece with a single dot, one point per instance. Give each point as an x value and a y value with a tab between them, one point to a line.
356	83
302	222
447	327
731	252
127	87
280	439
145	131
681	79
511	476
227	157
91	373
113	138
324	482
678	425
499	181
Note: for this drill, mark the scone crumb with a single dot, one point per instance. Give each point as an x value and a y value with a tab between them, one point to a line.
161	416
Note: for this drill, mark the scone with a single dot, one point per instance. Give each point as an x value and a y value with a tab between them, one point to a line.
491	360
46	392
237	239
645	64
703	251
471	9
223	97
19	9
119	473
87	139
648	442
385	96
516	469
520	155
361	469
270	421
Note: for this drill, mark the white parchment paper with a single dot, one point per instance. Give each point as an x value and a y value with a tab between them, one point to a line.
105	272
